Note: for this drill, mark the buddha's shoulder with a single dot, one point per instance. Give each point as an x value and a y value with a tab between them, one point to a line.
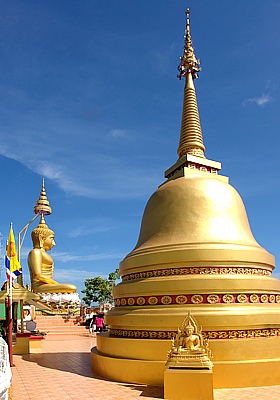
35	251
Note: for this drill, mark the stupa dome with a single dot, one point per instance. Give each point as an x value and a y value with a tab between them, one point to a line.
195	210
199	218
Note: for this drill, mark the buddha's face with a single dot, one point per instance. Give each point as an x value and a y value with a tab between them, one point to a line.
49	242
189	331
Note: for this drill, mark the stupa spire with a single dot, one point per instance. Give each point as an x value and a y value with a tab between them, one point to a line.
191	141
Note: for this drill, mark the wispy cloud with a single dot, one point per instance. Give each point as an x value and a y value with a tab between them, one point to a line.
91	227
260	101
72	275
118	133
76	277
108	183
65	257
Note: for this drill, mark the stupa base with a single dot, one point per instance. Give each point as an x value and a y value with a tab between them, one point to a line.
143	361
225	374
128	370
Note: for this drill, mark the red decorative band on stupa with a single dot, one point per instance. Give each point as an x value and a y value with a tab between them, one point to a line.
224	298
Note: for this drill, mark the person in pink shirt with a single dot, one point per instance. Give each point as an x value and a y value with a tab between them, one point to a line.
99	322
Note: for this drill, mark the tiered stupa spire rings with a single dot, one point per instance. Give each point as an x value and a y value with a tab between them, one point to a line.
191	141
42	206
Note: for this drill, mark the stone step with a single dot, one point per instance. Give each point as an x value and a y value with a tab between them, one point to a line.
59	320
79	332
59	324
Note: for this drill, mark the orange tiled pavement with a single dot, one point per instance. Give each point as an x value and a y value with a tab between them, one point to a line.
63	372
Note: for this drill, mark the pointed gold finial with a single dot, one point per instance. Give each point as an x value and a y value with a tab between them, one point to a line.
42	206
191	141
42	225
188	62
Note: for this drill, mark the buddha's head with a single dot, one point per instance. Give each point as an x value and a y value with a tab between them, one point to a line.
189	330
42	236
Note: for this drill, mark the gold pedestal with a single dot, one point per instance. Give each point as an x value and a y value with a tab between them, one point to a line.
184	384
28	344
35	344
22	344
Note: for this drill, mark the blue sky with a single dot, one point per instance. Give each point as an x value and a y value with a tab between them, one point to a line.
89	99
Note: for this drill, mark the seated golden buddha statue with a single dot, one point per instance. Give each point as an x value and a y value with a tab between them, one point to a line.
189	349
188	340
41	264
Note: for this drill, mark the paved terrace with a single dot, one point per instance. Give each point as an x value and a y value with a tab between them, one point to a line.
63	372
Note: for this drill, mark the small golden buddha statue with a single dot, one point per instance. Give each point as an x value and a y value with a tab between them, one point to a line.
189	349
190	341
41	264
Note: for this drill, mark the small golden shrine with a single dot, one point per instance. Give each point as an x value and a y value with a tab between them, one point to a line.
189	350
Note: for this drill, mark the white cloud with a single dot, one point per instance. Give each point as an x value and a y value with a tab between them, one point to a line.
72	172
260	101
72	275
118	133
65	257
91	227
76	277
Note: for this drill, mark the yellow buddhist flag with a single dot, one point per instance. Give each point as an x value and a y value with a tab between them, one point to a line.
13	267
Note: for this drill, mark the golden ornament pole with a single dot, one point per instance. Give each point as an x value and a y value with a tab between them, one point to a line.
42	207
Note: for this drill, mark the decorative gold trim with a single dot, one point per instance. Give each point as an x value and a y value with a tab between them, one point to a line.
213	298
140	301
131	301
254	298
197	271
166	300
228	298
223	334
197	299
242	298
264	298
181	299
153	300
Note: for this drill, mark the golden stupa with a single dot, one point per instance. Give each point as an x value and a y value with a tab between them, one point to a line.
195	253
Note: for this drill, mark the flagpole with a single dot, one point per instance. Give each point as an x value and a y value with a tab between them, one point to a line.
20	243
20	278
10	321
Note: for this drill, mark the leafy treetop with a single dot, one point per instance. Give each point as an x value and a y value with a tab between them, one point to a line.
99	290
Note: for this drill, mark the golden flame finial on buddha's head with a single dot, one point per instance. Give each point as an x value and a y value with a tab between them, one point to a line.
42	204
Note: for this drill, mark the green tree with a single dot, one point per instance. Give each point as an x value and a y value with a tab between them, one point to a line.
99	290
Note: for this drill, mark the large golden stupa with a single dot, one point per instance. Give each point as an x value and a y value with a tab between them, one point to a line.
195	253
